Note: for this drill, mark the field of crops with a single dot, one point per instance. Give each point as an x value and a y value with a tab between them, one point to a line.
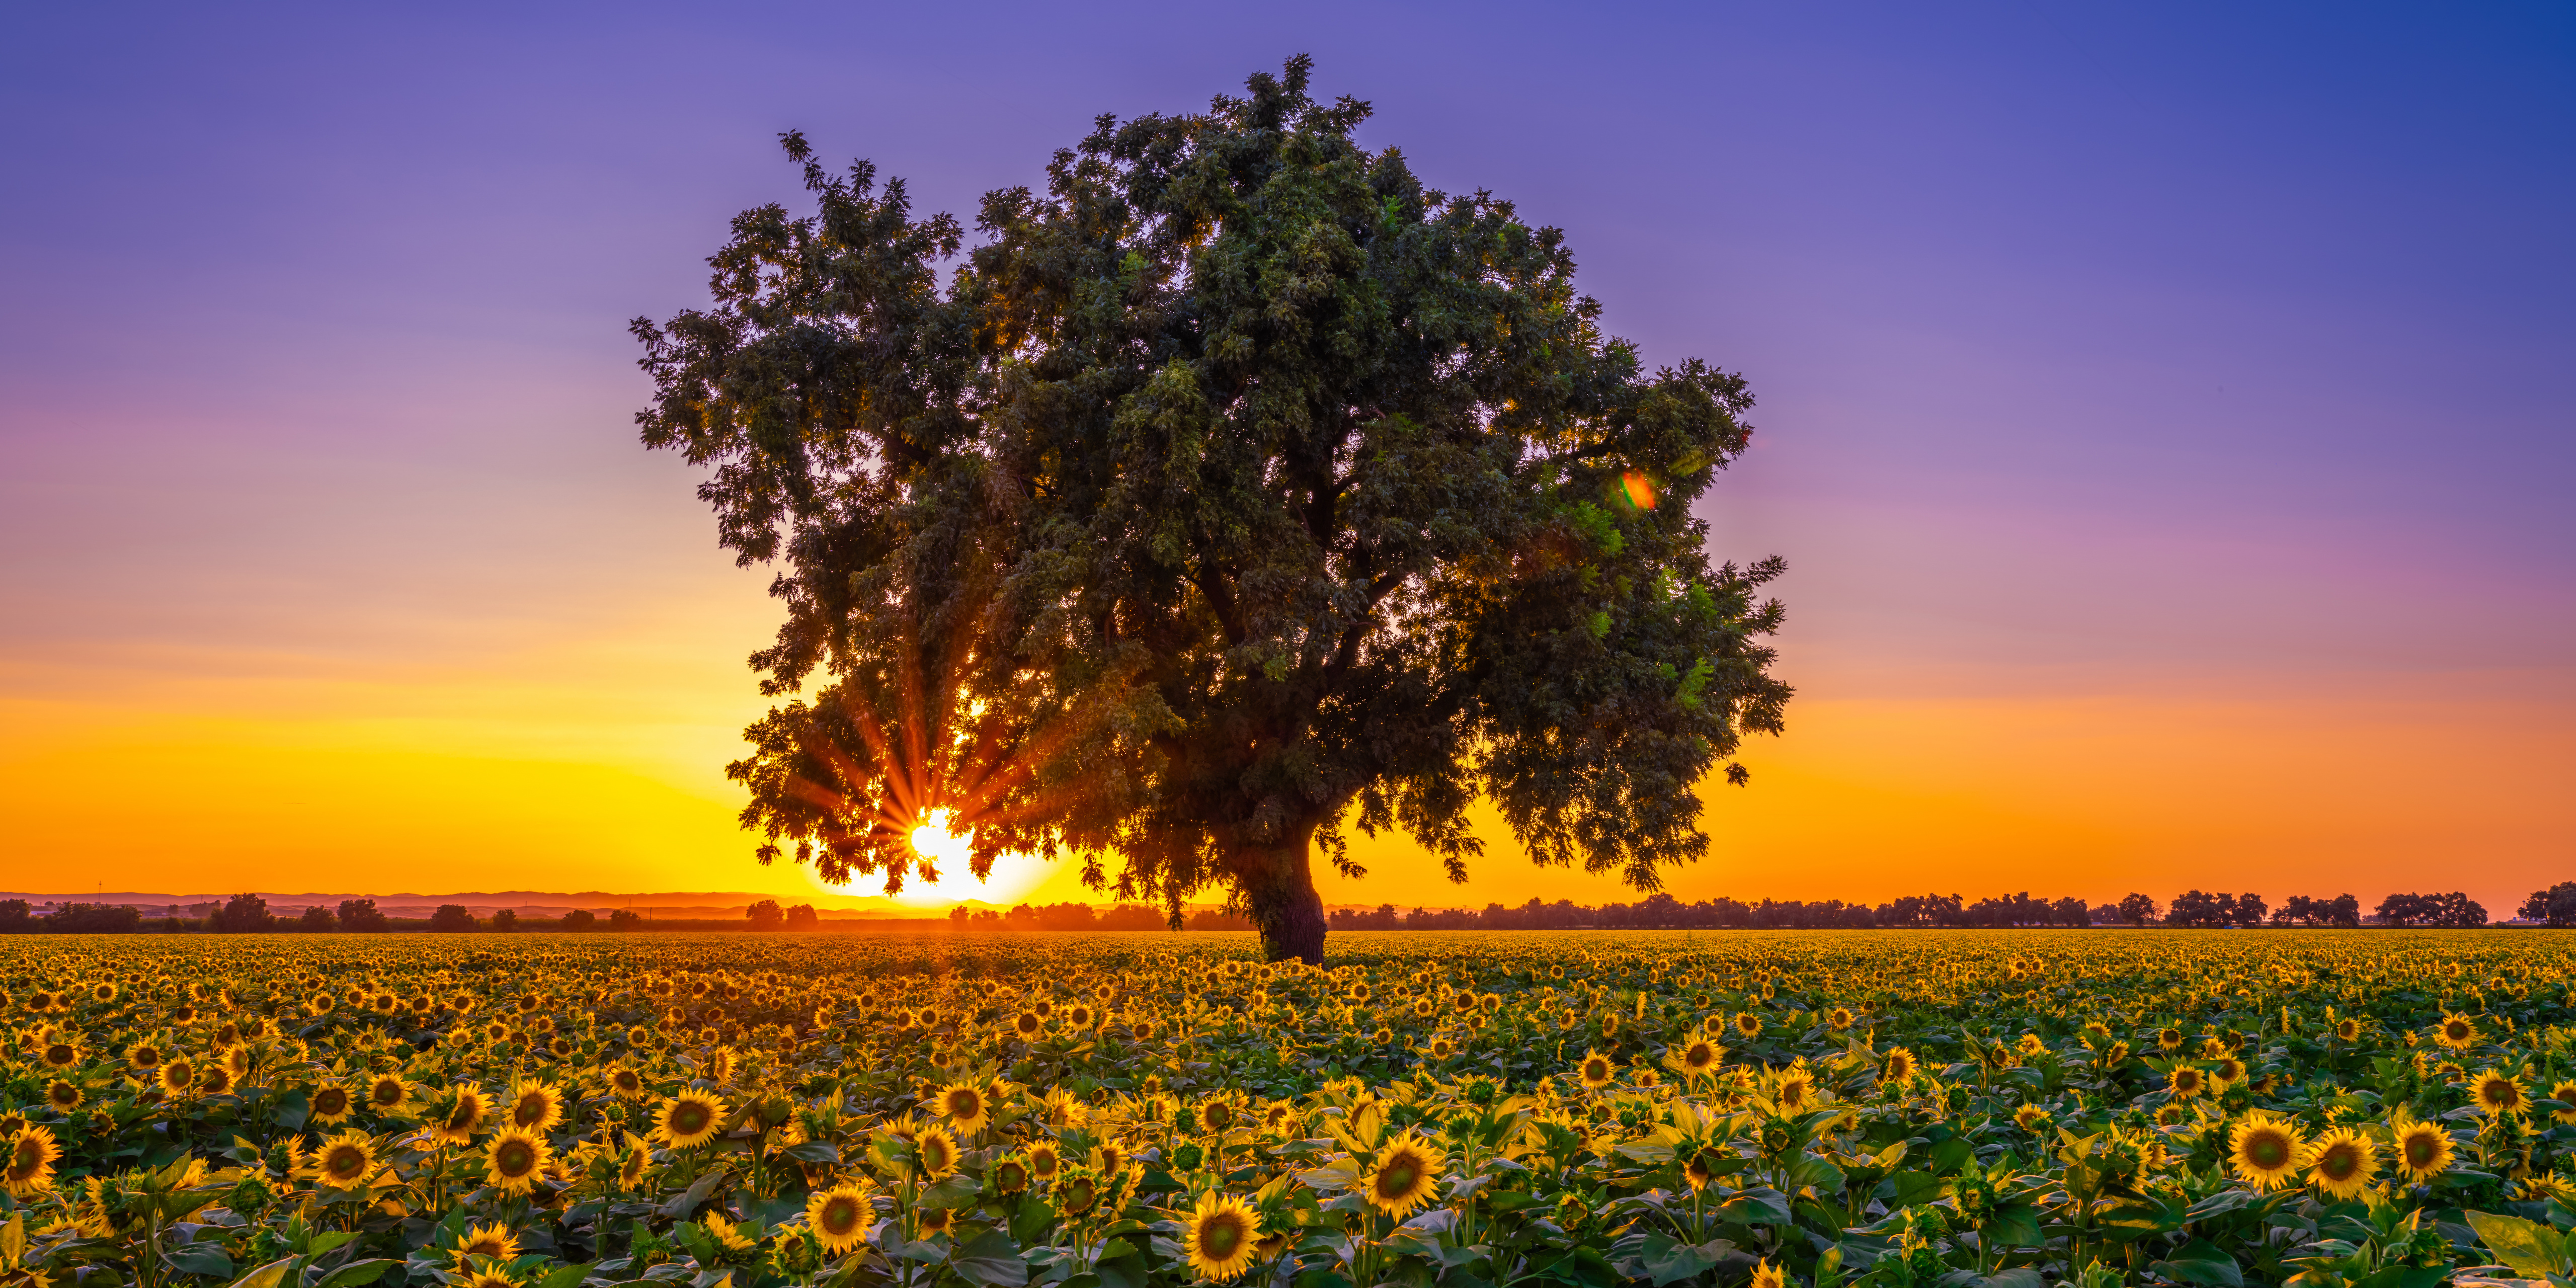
2379	1109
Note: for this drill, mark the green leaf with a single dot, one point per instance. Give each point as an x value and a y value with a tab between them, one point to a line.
2017	1277
2016	1226
2201	1262
267	1276
2533	1250
562	1277
358	1273
991	1260
200	1259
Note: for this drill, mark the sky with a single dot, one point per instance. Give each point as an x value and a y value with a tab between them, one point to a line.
2167	413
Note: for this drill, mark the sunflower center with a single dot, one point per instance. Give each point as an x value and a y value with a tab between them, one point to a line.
1222	1235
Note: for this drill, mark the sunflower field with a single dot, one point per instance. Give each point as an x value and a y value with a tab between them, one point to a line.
2316	1108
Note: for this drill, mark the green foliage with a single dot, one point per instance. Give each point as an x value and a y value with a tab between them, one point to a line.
1237	488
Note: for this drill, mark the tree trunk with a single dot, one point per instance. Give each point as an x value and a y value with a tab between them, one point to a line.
1280	893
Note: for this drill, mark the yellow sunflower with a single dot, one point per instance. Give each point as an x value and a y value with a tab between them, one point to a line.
2423	1150
2456	1032
1700	1056
1793	1088
624	1082
2565	1094
1219	1237
344	1161
1077	1192
1596	1071
1766	1275
966	1107
331	1104
1748	1024
515	1159
2265	1150
2030	1118
460	1116
179	1077
727	1236
2185	1081
2342	1163
387	1094
1404	1174
62	1096
839	1217
937	1151
495	1241
1896	1068
2496	1094
487	1277
535	1106
690	1119
30	1170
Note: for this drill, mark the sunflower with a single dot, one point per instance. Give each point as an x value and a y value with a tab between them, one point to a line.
2565	1094
2342	1163
2496	1094
331	1104
344	1161
1793	1088
1596	1071
63	1096
839	1217
624	1082
387	1094
966	1107
690	1119
1044	1161
2347	1030
61	1055
460	1115
2456	1032
1702	1168
1219	1237
2264	1150
515	1159
1748	1024
1839	1019
1403	1175
495	1241
2030	1118
1766	1275
1077	1192
487	1277
2185	1081
30	1170
216	1080
937	1151
1009	1174
729	1238
1897	1067
535	1106
2423	1150
1700	1056
2227	1073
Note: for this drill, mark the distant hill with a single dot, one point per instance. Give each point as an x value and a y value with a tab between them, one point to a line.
685	905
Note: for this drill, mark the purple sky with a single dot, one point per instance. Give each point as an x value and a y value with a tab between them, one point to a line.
2181	349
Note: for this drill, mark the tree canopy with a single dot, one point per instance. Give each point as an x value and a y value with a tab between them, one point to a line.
1234	490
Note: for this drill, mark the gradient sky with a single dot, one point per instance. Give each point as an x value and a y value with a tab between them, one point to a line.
2168	414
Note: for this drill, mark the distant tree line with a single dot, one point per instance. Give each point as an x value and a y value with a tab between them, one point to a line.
2556	906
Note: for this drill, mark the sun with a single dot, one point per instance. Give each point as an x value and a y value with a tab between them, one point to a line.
938	846
1012	878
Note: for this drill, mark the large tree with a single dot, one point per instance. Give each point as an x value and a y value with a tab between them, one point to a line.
1234	490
